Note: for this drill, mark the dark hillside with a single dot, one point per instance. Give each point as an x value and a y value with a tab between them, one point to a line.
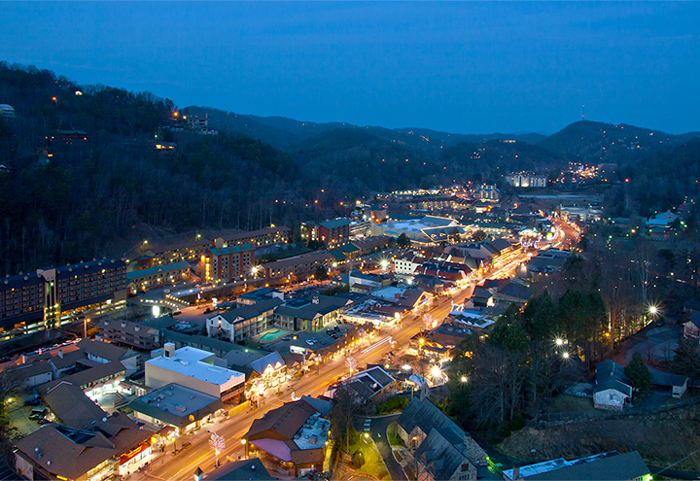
491	159
596	142
355	161
67	200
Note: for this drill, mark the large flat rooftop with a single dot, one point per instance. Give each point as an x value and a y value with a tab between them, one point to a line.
191	362
173	402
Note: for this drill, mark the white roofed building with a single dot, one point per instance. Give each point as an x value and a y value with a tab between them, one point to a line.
195	369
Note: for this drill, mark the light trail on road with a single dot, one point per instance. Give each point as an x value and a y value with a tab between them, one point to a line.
183	465
377	344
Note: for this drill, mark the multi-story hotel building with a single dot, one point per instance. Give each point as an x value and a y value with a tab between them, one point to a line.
49	297
161	253
228	264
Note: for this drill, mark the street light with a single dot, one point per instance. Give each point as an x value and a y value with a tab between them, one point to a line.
464	379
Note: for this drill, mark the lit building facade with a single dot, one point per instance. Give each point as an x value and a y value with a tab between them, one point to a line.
51	297
228	264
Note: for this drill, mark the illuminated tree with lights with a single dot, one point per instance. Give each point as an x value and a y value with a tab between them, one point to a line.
217	444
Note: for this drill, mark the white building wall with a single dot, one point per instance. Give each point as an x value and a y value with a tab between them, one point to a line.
403	266
610	399
157	376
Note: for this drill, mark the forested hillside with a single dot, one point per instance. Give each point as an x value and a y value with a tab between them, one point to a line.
66	200
66	203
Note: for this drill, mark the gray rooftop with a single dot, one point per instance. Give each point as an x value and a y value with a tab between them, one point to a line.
611	466
245	312
174	404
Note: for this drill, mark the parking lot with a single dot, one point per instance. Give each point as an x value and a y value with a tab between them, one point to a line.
19	414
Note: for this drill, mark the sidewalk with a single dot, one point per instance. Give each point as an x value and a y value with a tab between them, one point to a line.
159	458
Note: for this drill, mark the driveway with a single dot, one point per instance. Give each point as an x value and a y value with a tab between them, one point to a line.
376	427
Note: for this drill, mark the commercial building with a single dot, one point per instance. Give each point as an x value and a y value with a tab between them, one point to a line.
258	238
94	381
229	264
424	230
371	244
114	445
292	438
244	470
144	279
244	321
128	333
72	407
177	406
194	369
526	180
299	268
310	314
191	248
331	233
262	371
54	296
373	383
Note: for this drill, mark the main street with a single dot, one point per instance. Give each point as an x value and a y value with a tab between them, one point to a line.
199	455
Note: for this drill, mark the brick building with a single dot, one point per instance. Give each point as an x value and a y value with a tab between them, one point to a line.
228	264
332	233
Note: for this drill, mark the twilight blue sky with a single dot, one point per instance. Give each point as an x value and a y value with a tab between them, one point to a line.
458	67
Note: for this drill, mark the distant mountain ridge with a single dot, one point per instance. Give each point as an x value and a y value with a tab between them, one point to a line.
585	140
285	133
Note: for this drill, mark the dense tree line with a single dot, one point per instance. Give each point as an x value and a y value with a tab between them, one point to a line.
101	197
531	353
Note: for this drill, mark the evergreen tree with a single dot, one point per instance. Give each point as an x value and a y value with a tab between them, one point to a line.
638	373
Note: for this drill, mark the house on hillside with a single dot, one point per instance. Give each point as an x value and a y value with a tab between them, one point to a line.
664	381
691	328
612	389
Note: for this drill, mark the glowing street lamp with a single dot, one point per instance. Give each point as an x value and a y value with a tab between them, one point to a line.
559	341
565	355
464	379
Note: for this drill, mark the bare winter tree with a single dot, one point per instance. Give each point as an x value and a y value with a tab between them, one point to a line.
346	404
